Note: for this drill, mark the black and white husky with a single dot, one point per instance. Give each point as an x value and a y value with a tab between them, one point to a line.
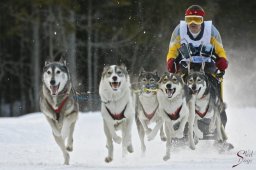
58	104
173	109
146	105
205	102
117	108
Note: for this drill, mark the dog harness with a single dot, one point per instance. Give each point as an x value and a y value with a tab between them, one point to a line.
58	110
117	116
149	115
175	115
202	114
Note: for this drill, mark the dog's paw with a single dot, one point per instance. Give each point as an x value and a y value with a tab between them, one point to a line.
178	134
69	148
66	159
143	150
166	157
130	149
151	136
196	140
192	147
56	133
148	131
108	159
163	138
117	139
199	133
212	129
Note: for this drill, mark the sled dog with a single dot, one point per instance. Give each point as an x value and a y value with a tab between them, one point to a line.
173	108
116	108
58	105
205	102
146	105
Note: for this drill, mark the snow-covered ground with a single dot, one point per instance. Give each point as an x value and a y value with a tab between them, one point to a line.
26	143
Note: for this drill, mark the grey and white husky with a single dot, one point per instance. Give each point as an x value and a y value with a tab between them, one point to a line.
58	104
146	105
117	108
205	102
173	109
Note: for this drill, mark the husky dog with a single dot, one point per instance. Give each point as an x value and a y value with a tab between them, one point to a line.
117	108
172	108
205	102
147	105
58	104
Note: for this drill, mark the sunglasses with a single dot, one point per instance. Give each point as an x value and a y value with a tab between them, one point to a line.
194	19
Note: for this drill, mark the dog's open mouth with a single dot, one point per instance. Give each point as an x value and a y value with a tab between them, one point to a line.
115	85
55	89
170	92
196	91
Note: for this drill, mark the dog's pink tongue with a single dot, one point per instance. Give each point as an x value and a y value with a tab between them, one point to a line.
115	85
170	93
54	89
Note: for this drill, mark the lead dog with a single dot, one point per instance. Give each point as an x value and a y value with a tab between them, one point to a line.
117	108
173	109
147	105
58	104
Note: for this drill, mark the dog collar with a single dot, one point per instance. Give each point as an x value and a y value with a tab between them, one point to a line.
175	115
117	116
58	110
204	113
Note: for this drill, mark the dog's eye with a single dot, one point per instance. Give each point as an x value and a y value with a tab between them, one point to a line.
144	80
119	72
152	80
174	80
190	81
165	80
58	72
48	72
199	80
109	72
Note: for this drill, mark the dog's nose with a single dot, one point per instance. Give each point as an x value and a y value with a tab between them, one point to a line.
52	82
168	86
114	78
194	87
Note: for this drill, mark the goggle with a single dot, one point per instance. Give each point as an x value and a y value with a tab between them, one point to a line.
194	19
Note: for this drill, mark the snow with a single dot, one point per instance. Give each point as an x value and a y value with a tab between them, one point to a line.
26	143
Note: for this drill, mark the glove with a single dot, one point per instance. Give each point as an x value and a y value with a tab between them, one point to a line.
170	65
221	64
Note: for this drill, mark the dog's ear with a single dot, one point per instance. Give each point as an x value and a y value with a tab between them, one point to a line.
180	75
163	76
202	68
123	66
106	67
156	75
63	61
46	63
141	71
155	72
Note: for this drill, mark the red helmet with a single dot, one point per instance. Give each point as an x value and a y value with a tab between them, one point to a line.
195	10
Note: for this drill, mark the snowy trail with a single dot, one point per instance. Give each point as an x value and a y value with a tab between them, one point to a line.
26	143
